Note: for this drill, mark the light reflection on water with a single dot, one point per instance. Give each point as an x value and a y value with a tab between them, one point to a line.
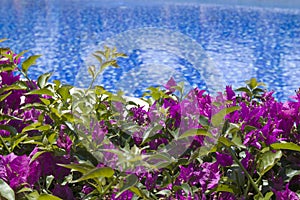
241	41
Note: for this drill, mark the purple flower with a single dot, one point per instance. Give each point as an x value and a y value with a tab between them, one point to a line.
209	175
248	161
99	131
15	170
140	115
48	165
230	93
86	189
226	196
151	179
286	194
224	159
63	192
170	84
64	141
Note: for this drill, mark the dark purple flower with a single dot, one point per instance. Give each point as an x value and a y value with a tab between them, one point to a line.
140	115
224	159
48	165
63	191
150	180
226	196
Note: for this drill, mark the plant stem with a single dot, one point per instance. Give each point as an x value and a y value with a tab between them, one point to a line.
245	171
5	146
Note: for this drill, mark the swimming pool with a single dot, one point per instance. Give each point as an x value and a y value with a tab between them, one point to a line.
202	43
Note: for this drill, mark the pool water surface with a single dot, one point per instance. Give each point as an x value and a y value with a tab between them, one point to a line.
205	44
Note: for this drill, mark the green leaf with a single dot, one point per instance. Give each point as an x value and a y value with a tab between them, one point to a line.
131	180
136	191
266	197
99	58
48	197
4	96
96	173
82	167
107	64
21	54
8	117
6	191
36	126
225	188
7	67
30	61
151	131
64	92
33	195
195	132
244	89
203	121
252	83
18	140
36	155
225	141
43	79
42	91
92	70
10	87
286	146
164	192
9	128
218	118
267	160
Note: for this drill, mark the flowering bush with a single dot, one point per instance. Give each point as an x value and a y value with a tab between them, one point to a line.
61	142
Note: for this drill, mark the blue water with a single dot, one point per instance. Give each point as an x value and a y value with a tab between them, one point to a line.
204	44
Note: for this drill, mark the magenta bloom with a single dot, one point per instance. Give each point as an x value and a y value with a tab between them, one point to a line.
18	171
286	194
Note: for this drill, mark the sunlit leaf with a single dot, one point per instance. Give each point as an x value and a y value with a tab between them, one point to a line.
4	96
195	132
286	146
30	61
96	173
43	79
6	191
43	91
48	197
267	160
82	167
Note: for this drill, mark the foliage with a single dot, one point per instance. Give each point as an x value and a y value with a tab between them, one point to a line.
61	142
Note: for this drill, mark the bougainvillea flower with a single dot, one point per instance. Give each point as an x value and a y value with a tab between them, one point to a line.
63	191
286	194
224	159
16	170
